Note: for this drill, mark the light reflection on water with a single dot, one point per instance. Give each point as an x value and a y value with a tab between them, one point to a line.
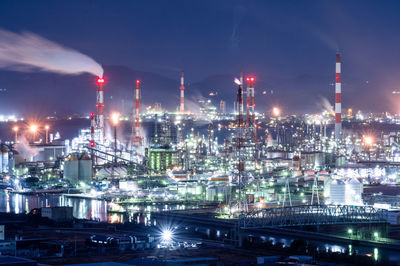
100	210
83	208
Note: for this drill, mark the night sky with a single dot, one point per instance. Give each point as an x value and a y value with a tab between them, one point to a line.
289	46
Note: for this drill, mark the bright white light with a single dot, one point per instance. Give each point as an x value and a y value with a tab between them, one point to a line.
276	111
33	128
166	235
115	118
237	81
368	140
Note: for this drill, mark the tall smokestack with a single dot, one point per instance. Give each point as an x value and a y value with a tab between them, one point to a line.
100	108
222	108
338	100
240	103
136	138
182	88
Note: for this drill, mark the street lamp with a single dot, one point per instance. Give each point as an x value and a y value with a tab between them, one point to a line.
15	129
276	112
46	127
368	141
115	121
33	129
350	232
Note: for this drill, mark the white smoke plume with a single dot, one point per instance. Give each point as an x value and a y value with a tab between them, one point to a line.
237	81
27	151
28	52
325	105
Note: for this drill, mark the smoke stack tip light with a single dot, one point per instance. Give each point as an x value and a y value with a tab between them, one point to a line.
100	80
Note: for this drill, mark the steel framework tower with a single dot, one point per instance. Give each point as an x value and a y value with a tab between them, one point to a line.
250	116
92	126
338	100
239	137
136	138
240	102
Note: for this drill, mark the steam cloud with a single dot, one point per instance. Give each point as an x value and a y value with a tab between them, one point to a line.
28	52
26	150
324	104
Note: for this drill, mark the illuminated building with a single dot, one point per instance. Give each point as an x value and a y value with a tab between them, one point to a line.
160	159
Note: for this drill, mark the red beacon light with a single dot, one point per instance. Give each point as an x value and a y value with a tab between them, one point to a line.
137	81
100	80
91	114
91	143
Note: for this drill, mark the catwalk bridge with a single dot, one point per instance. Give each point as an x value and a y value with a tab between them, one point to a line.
311	215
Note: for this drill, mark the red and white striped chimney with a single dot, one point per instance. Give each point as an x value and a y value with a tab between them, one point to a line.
100	108
182	88
338	100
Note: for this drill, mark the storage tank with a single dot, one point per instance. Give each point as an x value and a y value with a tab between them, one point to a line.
71	168
85	168
211	194
224	192
4	160
337	192
327	186
127	185
354	190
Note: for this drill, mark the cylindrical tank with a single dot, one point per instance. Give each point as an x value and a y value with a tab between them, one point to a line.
211	193
4	161
354	190
327	186
85	168
71	168
337	192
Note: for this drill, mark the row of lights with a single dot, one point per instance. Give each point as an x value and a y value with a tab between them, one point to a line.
33	128
375	234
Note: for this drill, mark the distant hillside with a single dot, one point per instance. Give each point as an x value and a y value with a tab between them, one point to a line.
44	93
